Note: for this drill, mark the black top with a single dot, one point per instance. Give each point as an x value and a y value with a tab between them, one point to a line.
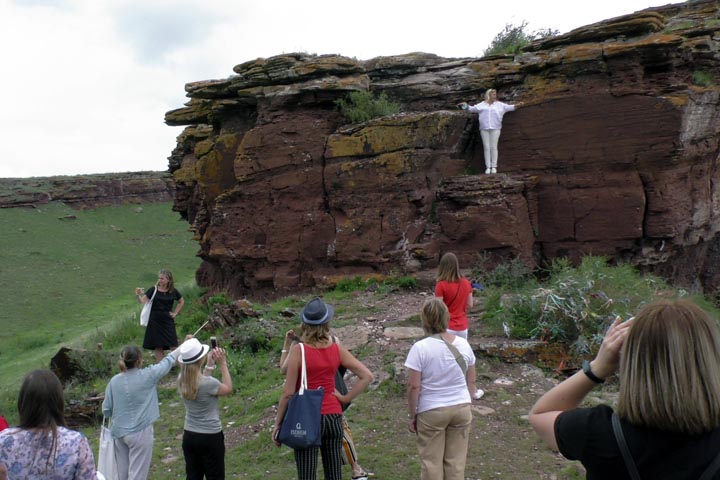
160	331
586	434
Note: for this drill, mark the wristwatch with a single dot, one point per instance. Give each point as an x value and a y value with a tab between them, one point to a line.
588	371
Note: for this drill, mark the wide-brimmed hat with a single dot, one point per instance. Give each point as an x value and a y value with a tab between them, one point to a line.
192	350
316	312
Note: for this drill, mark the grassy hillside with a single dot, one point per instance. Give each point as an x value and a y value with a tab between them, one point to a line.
65	273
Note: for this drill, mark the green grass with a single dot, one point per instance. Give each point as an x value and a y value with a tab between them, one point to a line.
62	279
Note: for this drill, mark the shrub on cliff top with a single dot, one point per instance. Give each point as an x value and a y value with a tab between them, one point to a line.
362	106
514	37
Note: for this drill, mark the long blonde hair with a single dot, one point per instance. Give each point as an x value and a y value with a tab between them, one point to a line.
670	369
189	379
449	268
488	92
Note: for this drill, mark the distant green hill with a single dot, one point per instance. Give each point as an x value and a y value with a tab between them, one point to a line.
65	273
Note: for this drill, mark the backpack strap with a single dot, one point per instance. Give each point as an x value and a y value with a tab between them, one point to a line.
712	469
622	444
456	353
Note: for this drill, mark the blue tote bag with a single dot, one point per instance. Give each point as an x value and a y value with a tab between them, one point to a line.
301	426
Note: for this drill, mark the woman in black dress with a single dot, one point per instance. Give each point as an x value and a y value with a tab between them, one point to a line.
160	334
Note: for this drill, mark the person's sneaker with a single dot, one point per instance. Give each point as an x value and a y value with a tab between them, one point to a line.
479	394
487	170
493	170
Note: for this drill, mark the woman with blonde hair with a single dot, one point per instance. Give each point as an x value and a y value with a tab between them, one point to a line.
203	440
441	379
456	292
323	357
160	334
667	419
490	114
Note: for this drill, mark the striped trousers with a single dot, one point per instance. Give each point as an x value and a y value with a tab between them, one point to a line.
306	459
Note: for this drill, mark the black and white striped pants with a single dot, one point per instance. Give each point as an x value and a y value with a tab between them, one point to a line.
306	459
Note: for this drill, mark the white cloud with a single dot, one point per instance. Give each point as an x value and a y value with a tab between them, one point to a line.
86	83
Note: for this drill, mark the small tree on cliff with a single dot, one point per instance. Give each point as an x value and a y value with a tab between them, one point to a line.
362	106
514	37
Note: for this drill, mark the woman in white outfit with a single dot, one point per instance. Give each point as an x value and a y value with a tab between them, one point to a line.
490	114
441	378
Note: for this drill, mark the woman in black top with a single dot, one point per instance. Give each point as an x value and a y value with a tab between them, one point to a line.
160	334
668	407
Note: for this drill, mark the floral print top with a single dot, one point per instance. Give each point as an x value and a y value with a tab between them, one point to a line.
24	453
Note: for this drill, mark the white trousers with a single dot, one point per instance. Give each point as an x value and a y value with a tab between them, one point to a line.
133	454
490	147
458	333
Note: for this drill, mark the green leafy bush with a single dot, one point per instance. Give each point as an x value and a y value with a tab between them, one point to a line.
510	275
513	38
576	305
362	106
702	78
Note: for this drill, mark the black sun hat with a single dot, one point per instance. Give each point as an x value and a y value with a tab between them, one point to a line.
316	312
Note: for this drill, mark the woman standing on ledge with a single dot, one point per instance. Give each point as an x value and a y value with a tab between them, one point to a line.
160	334
490	114
667	421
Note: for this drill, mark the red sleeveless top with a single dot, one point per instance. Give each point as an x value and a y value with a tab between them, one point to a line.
321	365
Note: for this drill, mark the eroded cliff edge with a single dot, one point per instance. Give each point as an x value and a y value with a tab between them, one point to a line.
615	153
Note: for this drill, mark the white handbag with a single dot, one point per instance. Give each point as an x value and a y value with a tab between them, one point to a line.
107	468
145	312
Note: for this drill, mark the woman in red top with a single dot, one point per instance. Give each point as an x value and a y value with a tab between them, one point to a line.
456	293
322	359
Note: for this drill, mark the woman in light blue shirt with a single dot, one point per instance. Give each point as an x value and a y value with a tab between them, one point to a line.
131	402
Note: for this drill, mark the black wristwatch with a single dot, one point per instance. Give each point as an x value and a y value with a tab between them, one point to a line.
588	371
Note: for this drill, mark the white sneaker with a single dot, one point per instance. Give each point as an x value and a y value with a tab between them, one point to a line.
487	170
479	394
493	170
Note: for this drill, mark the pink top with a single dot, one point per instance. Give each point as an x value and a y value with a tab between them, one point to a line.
321	365
455	295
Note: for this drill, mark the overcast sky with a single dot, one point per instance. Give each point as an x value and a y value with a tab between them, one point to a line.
86	83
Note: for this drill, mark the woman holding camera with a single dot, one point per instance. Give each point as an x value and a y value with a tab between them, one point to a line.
323	357
203	440
666	424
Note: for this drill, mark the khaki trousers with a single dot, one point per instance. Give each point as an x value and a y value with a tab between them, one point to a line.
442	436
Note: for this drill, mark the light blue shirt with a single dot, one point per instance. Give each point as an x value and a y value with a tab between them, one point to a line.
131	400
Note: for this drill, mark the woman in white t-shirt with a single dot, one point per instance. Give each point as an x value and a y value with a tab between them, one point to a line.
490	115
441	378
203	441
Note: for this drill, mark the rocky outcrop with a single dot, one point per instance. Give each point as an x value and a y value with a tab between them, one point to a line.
88	191
615	152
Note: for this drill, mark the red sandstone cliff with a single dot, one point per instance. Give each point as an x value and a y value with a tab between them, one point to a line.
615	153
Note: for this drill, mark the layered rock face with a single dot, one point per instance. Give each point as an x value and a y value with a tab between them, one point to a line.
614	152
88	191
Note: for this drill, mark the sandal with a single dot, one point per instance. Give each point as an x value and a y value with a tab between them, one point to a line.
360	476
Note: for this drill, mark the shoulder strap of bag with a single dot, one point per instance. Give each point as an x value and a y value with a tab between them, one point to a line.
456	353
712	469
457	292
303	375
627	456
153	295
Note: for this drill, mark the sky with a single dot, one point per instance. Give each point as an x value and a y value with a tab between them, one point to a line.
86	83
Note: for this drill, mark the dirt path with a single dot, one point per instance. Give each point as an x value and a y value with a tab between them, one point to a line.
503	445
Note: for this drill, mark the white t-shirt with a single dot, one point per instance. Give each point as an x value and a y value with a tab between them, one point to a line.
442	382
490	115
